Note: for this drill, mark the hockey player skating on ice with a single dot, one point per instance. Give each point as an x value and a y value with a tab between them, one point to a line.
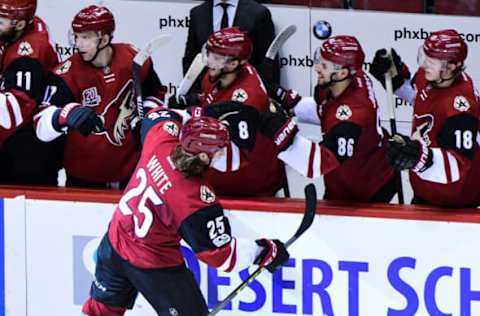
167	199
352	155
253	170
442	153
90	97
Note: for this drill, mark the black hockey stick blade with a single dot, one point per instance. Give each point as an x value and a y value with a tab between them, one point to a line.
307	220
309	215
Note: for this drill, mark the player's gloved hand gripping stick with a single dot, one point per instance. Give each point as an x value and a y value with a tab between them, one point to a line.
310	208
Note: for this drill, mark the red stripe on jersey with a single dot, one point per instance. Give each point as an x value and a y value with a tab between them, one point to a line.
229	158
310	160
233	259
446	163
216	257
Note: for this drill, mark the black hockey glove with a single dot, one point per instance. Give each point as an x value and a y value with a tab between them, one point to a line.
404	153
273	256
381	64
183	101
279	127
268	70
75	116
241	119
286	98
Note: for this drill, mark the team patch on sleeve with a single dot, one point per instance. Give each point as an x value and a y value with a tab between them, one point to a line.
461	104
344	112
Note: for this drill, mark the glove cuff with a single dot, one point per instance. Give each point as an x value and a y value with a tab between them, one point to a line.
66	110
425	160
268	253
284	136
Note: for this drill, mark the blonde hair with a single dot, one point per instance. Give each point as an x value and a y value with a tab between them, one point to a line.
189	165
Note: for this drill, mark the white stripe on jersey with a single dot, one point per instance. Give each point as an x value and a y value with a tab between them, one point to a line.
8	101
436	172
454	174
306	111
245	252
222	163
298	154
43	124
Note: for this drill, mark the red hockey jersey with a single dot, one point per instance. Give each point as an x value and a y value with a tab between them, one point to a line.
352	154
160	206
110	155
447	120
258	172
24	65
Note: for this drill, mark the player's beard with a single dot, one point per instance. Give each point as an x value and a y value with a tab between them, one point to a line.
8	35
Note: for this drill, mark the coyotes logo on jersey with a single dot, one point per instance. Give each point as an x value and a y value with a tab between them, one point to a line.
423	125
118	115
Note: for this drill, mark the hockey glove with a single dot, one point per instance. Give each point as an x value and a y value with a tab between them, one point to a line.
278	127
183	101
241	119
286	98
404	153
381	64
75	116
273	256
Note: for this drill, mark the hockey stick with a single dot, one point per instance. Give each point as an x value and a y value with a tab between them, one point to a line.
393	124
192	73
307	220
279	40
138	62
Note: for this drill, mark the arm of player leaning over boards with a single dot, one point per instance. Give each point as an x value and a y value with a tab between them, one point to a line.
306	111
453	158
208	233
57	94
314	159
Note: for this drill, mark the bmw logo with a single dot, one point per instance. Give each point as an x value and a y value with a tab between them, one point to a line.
322	30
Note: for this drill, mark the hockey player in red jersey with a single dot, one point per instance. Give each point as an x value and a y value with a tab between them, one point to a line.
243	171
167	199
27	53
442	153
90	97
352	155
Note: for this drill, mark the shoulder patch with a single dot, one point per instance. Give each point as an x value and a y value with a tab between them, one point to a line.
171	128
239	95
343	112
461	104
206	195
63	68
25	49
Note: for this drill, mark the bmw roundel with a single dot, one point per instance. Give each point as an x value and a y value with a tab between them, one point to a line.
322	30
